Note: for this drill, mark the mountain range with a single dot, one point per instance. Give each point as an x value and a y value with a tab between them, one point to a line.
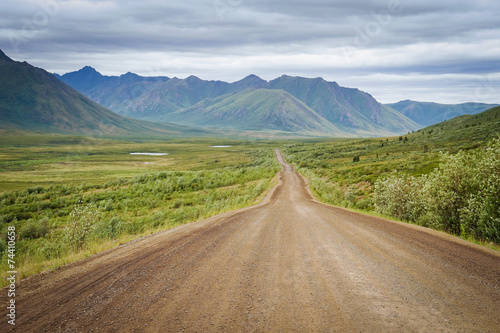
35	100
298	105
32	99
290	104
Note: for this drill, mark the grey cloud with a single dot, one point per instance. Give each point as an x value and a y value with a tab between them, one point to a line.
194	34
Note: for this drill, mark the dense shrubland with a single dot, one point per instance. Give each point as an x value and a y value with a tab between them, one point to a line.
57	221
461	196
430	183
343	173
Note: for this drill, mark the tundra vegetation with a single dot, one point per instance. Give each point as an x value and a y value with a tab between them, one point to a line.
70	197
445	177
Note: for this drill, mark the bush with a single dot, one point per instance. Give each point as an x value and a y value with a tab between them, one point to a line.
400	196
53	248
34	229
109	228
82	224
461	196
480	216
35	190
449	187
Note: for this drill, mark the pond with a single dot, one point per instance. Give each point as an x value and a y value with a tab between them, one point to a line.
150	154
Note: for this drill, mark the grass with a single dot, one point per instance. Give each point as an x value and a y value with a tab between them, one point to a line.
49	160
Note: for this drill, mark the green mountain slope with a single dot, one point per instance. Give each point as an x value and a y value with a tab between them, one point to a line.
426	114
35	100
464	131
257	110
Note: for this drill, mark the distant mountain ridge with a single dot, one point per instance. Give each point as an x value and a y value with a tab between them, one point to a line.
109	91
32	99
350	112
349	109
426	113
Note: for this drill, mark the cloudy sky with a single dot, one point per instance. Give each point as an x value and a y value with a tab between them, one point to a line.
442	51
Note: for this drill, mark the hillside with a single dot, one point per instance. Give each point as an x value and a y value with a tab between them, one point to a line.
257	110
426	114
32	99
466	131
171	96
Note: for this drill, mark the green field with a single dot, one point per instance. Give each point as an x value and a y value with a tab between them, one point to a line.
61	160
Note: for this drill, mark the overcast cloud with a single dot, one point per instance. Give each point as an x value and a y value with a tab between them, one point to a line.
442	51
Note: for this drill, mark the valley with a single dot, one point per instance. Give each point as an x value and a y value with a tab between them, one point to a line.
189	170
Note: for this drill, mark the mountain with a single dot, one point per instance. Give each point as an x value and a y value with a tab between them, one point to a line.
426	113
35	100
110	91
257	110
4	58
347	110
171	96
83	80
251	81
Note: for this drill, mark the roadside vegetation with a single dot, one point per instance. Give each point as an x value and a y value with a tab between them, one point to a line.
461	196
446	176
106	197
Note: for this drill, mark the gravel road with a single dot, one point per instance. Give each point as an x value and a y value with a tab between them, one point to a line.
290	264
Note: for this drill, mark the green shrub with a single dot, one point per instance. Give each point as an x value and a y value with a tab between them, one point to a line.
400	196
461	196
35	190
34	229
109	228
83	222
53	248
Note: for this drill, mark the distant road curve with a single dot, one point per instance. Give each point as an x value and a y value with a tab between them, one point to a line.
290	264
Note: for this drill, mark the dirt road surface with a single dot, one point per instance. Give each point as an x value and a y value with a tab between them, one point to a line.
289	264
